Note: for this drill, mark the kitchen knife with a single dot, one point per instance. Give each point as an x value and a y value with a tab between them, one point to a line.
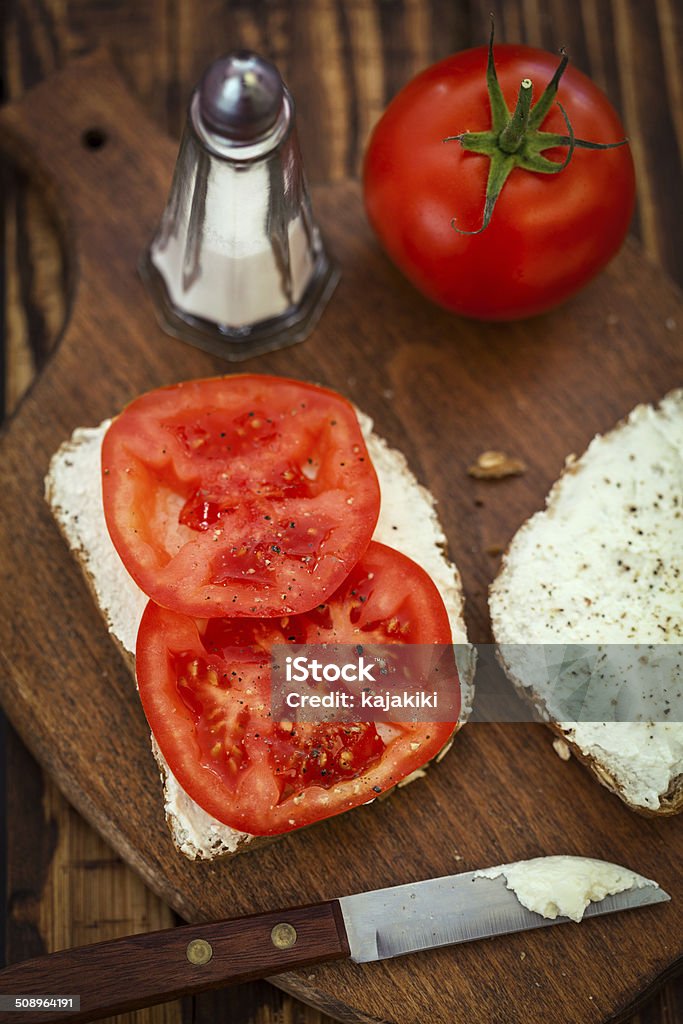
140	970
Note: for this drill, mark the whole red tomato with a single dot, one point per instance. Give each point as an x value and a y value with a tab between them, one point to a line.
549	233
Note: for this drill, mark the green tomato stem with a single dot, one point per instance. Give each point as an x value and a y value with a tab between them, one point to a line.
517	139
514	132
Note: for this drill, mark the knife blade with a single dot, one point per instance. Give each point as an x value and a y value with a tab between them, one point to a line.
458	908
141	970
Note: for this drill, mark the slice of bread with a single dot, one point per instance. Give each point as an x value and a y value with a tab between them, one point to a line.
602	565
407	522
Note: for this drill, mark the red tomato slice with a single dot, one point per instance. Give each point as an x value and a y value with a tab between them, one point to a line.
208	703
243	495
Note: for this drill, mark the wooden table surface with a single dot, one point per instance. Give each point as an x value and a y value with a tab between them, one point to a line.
343	60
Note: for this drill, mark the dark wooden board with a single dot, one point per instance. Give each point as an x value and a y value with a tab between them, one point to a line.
443	390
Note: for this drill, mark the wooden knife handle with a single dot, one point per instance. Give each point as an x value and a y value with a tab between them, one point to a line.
141	970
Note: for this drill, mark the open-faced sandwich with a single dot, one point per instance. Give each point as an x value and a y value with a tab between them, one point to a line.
237	513
600	572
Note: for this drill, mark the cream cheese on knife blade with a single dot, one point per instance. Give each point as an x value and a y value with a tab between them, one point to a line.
564	886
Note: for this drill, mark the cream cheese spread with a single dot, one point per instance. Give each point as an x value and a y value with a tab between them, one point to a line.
601	565
612	527
564	886
74	491
643	757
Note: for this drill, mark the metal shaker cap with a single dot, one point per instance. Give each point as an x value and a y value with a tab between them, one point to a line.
237	265
240	96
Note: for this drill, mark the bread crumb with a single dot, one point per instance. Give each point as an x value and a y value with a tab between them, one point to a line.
494	550
522	955
494	465
561	748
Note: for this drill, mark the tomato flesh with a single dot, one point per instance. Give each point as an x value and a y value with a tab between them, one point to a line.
244	495
323	755
205	688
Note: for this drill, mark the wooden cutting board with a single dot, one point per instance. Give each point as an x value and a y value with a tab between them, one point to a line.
443	390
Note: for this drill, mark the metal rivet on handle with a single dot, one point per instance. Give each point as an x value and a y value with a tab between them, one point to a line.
283	936
199	952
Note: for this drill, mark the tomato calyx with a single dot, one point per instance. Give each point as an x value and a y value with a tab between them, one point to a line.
515	139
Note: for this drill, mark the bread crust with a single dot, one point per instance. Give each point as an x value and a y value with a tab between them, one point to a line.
670	802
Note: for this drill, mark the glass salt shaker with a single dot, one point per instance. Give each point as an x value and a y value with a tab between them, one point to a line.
237	266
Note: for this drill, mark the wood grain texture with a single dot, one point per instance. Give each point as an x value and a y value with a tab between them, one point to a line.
66	886
142	970
368	49
360	52
521	387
